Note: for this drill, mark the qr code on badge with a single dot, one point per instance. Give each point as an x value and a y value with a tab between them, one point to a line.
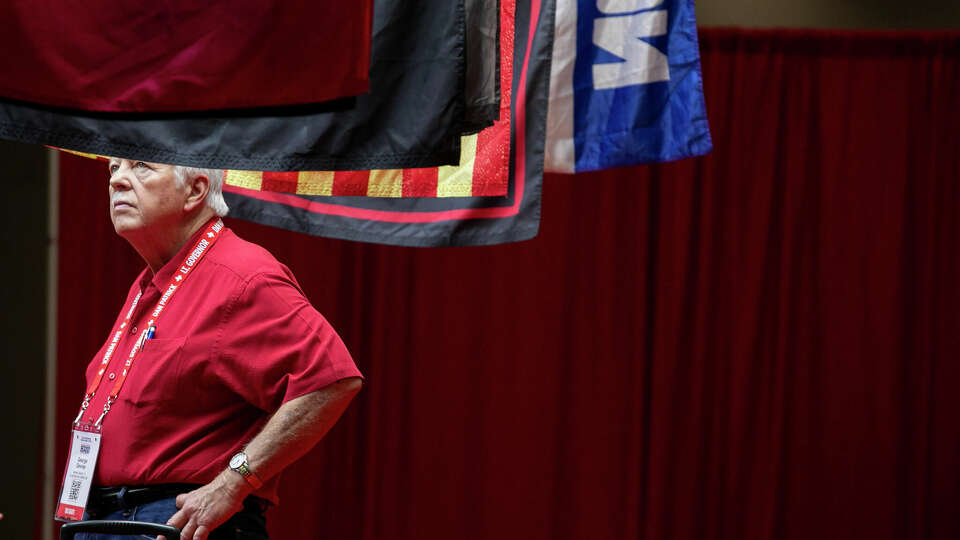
74	490
84	448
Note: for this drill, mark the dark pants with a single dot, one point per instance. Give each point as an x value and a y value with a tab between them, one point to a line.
248	524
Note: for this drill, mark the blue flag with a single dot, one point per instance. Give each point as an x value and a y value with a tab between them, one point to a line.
625	85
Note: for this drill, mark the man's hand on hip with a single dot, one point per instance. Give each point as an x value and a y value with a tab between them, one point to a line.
289	433
206	508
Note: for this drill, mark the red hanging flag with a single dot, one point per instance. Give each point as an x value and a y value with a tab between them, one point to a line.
132	56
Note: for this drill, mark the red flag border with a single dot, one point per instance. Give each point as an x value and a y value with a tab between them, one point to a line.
442	215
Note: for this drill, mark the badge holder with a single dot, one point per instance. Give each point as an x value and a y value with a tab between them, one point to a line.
84	448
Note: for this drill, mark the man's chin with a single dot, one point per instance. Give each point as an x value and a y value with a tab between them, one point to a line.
125	224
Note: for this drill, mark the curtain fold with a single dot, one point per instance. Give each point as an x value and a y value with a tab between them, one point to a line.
761	343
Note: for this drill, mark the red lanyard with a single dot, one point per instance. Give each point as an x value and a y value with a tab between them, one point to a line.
207	239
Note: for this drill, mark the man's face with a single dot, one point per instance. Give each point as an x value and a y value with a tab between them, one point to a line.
144	196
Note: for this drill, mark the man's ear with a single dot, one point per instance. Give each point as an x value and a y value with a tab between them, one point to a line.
199	188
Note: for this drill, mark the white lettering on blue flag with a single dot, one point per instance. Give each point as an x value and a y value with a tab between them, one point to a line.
625	6
625	85
622	35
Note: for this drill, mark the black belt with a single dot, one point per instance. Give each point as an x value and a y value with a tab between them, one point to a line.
106	500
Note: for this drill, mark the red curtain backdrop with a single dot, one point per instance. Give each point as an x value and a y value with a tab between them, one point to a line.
759	344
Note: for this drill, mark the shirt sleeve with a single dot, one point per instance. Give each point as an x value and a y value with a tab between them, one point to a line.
275	346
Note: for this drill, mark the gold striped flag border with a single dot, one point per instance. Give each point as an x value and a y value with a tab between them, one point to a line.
452	180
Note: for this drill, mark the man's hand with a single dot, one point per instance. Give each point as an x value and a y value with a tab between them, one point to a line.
206	508
295	428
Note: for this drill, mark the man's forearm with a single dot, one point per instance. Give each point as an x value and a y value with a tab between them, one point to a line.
289	433
297	426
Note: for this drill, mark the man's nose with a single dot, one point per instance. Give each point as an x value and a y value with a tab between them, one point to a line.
119	180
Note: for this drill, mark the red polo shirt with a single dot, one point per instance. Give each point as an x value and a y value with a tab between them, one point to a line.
237	340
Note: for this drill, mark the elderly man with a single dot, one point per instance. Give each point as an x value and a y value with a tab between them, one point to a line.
218	372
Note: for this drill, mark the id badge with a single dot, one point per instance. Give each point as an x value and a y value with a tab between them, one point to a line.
84	448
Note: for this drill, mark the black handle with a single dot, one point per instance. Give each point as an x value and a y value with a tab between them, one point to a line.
118	527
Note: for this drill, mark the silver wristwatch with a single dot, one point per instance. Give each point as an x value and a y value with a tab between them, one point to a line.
239	464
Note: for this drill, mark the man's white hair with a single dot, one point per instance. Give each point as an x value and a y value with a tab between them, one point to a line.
215	195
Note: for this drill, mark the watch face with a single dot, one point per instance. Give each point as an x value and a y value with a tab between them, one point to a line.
236	461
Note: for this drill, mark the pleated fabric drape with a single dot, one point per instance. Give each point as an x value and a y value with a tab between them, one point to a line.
760	344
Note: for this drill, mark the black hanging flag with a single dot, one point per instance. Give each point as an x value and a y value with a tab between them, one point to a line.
483	64
526	44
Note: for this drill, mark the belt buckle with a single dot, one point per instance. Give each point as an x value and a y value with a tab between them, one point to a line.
110	502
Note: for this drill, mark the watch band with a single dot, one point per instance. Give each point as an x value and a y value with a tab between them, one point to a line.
239	464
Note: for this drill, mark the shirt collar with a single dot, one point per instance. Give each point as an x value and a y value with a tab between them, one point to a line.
165	274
